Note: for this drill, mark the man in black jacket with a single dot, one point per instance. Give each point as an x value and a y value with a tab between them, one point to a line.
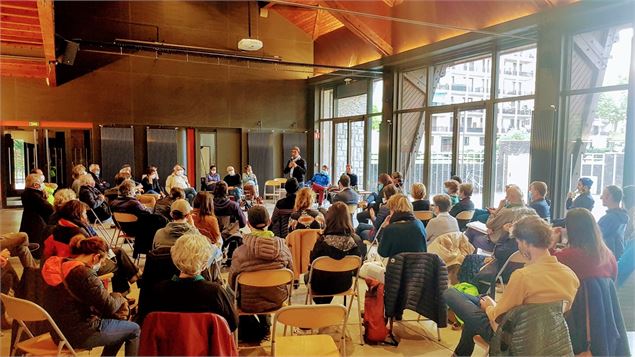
36	212
296	167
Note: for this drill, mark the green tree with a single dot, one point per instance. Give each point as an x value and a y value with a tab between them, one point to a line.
612	108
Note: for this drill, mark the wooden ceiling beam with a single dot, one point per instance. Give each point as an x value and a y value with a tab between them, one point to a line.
358	27
393	3
47	24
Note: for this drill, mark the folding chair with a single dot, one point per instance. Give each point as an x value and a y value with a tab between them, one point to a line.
346	264
43	345
99	225
312	317
516	257
118	218
464	218
273	184
262	279
424	216
281	181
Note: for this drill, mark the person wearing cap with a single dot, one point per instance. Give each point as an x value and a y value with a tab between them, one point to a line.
296	167
284	208
181	224
261	250
584	199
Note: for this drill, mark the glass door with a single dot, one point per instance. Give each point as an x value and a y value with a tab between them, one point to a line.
441	151
340	153
471	150
348	143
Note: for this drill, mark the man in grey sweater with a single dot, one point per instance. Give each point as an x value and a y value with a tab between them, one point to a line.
443	223
182	224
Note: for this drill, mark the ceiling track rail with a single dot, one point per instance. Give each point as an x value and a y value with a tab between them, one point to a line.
125	46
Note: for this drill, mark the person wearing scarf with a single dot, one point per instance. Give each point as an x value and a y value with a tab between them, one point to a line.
401	232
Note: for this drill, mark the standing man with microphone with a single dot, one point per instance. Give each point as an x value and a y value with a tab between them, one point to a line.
296	167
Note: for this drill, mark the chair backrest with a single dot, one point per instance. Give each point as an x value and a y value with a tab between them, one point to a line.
26	311
517	257
311	316
272	183
465	215
348	263
280	180
23	310
124	217
265	278
424	215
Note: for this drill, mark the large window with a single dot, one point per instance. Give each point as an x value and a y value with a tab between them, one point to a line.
440	150
462	82
596	115
471	155
411	147
351	134
458	99
511	154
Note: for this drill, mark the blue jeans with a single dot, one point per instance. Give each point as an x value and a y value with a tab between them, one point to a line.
112	334
475	321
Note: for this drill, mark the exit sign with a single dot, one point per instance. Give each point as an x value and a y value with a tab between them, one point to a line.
34	123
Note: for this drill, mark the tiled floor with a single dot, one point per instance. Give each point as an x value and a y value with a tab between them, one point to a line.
416	339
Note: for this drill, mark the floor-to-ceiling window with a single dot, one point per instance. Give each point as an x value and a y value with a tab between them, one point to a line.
349	122
595	99
463	118
513	117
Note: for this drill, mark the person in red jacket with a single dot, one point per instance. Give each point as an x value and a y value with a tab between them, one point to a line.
73	223
81	306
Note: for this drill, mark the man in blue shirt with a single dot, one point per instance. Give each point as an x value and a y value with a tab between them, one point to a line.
584	199
613	223
320	182
537	201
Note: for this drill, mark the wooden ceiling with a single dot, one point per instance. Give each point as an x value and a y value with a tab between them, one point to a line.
387	36
27	39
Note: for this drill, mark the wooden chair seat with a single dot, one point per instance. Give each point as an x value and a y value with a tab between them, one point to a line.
306	345
43	345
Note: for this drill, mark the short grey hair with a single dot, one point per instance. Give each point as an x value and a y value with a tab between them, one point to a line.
62	196
127	188
34	179
86	179
191	253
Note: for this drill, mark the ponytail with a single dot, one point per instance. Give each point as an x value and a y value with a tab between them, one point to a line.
93	245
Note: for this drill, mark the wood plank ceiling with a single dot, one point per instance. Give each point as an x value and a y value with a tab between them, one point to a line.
27	39
389	37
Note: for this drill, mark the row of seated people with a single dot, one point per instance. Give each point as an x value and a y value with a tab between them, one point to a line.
83	308
150	182
401	232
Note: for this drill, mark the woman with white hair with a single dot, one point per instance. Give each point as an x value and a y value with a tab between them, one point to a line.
90	195
189	291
